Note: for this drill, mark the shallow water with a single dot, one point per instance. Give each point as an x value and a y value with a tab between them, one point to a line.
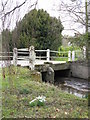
76	86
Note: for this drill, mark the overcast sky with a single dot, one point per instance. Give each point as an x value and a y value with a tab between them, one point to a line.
52	7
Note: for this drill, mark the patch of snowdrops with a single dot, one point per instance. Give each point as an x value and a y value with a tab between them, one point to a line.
38	101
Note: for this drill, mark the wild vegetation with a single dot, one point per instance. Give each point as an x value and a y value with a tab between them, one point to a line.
20	86
62	54
80	40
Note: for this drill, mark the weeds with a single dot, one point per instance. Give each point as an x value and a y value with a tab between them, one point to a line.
20	87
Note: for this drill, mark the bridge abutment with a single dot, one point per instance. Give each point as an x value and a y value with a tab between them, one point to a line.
48	76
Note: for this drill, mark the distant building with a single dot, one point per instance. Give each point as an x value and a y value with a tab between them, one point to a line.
77	34
65	41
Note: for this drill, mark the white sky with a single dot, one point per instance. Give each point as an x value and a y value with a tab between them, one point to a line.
51	6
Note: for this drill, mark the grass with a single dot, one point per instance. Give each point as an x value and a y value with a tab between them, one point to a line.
64	59
20	86
61	59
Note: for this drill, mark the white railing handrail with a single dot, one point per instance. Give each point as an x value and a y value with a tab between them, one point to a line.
6	56
58	51
5	52
25	51
41	50
51	51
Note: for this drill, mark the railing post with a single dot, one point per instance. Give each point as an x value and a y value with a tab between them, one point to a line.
48	54
69	55
15	53
32	57
84	51
73	55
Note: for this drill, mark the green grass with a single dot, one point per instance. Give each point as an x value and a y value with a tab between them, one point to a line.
64	59
61	59
20	86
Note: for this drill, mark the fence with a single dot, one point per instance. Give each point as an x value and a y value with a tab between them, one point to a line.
23	54
48	56
6	55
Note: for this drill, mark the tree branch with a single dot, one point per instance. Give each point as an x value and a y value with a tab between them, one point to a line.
15	8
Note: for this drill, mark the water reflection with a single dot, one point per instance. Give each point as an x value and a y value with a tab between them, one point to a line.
78	87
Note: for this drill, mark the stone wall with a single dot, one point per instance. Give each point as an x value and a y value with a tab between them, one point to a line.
80	70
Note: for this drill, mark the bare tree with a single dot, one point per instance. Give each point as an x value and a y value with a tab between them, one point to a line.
11	11
75	14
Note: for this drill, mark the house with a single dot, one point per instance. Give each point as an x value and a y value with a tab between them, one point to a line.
65	41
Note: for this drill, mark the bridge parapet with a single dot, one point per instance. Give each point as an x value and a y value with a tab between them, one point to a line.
55	67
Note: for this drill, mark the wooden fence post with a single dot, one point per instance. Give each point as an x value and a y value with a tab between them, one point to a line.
48	54
69	55
15	56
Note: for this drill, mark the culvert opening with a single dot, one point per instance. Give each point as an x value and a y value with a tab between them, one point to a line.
62	73
59	75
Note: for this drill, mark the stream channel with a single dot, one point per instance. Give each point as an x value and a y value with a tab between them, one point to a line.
76	86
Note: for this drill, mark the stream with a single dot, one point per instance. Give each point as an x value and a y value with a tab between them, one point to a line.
76	86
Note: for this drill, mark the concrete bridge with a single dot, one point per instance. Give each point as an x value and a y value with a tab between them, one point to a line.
56	66
49	68
46	67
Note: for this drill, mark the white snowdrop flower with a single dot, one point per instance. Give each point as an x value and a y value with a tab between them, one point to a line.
40	100
66	113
